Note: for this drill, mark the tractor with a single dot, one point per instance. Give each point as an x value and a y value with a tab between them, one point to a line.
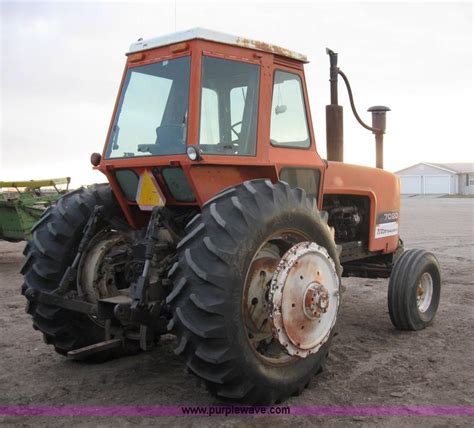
221	224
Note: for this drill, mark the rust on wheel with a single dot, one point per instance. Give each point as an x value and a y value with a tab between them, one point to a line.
305	298
291	298
96	273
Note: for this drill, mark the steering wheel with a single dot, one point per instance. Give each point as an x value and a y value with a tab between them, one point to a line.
237	134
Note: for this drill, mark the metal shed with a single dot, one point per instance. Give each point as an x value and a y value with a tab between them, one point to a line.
437	178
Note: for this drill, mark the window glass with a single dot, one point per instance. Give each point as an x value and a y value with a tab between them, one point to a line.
209	117
178	184
288	125
307	179
237	104
229	104
152	113
128	182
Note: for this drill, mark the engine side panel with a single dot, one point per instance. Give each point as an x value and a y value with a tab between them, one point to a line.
382	188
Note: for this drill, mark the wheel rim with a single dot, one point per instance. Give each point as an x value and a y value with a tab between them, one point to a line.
95	279
424	292
305	298
258	305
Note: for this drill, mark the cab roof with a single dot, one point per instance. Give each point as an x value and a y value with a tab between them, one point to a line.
213	36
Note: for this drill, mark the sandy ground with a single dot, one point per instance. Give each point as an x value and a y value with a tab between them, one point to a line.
371	363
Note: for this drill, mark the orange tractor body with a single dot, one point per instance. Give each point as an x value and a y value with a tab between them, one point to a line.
212	174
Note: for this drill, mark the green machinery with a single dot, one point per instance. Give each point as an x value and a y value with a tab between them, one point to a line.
20	209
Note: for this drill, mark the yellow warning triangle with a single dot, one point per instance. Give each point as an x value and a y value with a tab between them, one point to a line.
149	194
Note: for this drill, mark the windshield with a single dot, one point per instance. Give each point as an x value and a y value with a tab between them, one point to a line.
229	103
153	108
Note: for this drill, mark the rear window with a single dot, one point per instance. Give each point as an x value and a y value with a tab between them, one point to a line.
229	107
151	118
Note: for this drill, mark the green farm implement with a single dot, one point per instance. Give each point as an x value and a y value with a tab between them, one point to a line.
23	202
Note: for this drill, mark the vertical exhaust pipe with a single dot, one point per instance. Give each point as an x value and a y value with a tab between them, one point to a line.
334	116
334	119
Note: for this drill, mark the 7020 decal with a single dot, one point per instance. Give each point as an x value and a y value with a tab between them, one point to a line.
387	217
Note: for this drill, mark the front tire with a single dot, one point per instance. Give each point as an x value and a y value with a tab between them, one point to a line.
209	292
414	290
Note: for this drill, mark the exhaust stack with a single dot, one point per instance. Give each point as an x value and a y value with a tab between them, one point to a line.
334	118
334	115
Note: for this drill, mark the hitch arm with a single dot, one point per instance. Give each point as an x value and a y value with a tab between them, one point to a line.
140	293
71	272
34	295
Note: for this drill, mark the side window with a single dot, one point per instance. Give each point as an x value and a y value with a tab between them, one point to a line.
307	179
289	126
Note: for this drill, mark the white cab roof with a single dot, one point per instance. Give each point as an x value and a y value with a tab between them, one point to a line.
214	36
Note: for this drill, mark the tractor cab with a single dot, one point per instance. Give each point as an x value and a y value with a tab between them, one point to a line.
200	111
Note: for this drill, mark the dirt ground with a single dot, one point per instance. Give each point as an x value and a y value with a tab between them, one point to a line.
371	364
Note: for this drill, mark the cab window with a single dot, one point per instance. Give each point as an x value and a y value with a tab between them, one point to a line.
229	104
151	118
289	125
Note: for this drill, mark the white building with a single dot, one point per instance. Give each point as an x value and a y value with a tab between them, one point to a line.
437	178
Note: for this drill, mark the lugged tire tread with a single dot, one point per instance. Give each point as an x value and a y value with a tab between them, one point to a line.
51	249
198	299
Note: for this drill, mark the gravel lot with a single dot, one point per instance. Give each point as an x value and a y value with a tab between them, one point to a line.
371	364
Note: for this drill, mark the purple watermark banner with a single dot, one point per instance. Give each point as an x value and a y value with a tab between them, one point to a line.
155	411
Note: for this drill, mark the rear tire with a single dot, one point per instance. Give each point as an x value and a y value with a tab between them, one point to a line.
54	243
414	290
208	287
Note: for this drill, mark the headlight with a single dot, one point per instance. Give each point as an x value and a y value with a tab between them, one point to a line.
193	153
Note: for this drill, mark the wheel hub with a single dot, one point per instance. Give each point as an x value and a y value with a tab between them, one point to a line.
424	292
316	301
304	298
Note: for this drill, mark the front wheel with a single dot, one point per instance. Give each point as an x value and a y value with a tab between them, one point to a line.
256	293
414	290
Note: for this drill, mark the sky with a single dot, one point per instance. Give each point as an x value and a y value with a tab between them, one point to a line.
61	64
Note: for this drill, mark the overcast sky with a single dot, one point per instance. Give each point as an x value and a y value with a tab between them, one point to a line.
61	63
